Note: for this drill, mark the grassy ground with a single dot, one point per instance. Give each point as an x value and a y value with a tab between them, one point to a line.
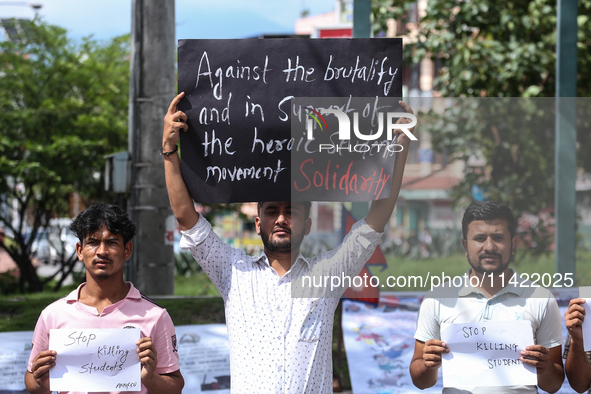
194	285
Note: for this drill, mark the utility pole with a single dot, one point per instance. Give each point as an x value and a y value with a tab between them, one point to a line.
566	137
151	87
361	18
361	29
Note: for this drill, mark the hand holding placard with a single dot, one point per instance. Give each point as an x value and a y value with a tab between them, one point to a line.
147	357
95	360
490	351
42	364
584	294
432	352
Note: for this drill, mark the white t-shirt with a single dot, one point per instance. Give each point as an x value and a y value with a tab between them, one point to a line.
468	304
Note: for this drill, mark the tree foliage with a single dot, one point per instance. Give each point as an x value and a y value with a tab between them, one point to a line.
486	50
497	49
63	106
493	49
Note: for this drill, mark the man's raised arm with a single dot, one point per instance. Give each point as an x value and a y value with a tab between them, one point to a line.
178	194
381	210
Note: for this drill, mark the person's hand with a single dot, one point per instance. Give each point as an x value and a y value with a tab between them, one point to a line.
147	355
403	139
42	363
538	356
174	122
573	318
432	353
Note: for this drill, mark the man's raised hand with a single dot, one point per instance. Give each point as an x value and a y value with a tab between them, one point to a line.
174	122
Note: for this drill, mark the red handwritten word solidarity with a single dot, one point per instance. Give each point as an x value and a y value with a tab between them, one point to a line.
347	182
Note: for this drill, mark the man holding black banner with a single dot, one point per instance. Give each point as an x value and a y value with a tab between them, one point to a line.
278	344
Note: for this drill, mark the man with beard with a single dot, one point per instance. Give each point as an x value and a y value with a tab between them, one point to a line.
105	300
278	343
489	240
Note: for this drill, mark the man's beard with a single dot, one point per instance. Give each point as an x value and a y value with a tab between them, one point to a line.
282	245
496	271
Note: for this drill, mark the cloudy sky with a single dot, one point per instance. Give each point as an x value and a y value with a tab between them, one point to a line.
194	18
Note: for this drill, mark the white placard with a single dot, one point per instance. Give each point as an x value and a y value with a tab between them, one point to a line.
490	351
95	360
585	293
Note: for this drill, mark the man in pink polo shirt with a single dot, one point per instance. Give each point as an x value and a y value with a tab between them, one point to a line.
107	301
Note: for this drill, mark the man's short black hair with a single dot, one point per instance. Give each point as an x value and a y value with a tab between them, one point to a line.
306	204
98	215
488	210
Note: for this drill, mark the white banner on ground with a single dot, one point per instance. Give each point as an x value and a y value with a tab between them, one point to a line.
379	347
205	358
15	348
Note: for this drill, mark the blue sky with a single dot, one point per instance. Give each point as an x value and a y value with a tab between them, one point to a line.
105	19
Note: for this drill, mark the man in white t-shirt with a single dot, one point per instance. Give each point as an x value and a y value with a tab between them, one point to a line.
489	240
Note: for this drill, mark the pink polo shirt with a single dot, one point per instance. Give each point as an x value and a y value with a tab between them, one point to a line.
134	311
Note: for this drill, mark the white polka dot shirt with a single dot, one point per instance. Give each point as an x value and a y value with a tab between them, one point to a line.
278	343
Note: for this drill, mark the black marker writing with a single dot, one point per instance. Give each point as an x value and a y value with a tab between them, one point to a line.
113	351
80	338
90	368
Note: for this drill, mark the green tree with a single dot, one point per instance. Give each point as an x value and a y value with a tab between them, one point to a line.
63	106
497	49
493	49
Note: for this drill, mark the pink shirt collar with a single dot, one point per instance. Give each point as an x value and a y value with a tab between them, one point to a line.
132	294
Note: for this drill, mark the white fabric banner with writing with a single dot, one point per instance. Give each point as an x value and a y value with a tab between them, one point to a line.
15	348
205	358
380	345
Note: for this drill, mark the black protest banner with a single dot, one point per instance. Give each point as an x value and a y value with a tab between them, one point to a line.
238	97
